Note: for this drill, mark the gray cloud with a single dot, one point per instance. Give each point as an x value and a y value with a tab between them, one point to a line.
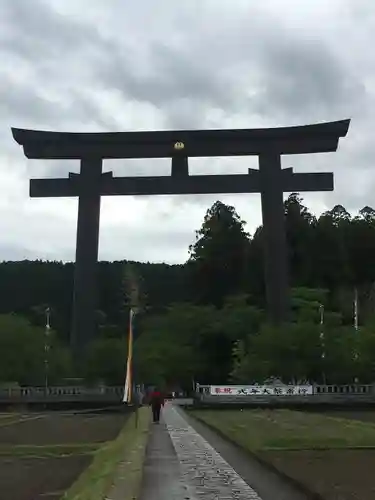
115	65
304	77
36	31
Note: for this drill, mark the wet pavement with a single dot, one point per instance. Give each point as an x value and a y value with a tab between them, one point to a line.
193	463
162	478
206	472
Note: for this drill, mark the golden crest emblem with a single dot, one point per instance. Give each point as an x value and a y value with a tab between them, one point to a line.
179	145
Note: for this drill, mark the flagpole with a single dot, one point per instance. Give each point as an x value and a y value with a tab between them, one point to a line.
134	377
46	348
355	324
132	298
322	343
128	380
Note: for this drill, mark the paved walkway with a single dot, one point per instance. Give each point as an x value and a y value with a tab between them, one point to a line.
162	479
182	465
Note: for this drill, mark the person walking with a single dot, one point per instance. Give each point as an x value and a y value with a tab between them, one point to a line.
156	402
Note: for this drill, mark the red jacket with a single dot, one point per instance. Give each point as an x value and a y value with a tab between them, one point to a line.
156	399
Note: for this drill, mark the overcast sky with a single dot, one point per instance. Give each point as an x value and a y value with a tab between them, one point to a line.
120	65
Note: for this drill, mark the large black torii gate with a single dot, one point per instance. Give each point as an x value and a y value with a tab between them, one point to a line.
271	181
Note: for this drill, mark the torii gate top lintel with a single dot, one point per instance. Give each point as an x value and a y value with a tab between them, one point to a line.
320	137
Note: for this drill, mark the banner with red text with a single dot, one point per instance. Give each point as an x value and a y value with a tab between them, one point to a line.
261	390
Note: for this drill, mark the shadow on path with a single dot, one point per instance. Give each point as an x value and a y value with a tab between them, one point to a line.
162	475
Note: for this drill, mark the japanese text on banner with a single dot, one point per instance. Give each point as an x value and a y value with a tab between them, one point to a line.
261	390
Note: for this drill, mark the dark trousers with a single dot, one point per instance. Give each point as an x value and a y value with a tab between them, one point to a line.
156	412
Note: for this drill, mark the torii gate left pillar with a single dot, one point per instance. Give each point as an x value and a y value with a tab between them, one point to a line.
85	275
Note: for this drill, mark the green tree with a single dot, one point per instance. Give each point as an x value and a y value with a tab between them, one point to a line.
364	345
106	361
239	317
340	349
255	285
164	352
299	225
22	350
218	258
190	342
291	352
360	243
329	252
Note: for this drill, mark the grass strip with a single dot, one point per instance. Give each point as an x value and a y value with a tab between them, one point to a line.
288	430
126	452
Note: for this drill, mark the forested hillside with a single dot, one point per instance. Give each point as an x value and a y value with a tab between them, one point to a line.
205	320
28	287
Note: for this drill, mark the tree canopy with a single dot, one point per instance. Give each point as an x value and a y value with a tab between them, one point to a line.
219	255
204	321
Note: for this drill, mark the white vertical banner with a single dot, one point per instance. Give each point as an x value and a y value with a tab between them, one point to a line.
355	309
321	335
128	380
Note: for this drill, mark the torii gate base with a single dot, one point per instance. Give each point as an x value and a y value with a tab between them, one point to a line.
270	180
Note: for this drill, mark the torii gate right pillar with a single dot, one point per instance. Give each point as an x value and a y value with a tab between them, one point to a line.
275	245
